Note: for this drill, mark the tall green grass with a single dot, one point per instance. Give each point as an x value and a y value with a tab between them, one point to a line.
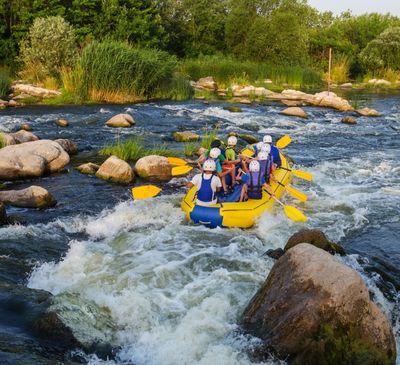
132	149
115	71
227	70
210	134
5	81
2	140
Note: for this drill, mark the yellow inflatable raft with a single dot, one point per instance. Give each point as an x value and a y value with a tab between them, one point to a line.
241	215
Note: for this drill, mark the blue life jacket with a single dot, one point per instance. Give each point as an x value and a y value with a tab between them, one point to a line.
205	193
276	158
254	186
222	151
265	167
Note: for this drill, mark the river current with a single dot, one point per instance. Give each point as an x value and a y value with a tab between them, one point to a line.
174	291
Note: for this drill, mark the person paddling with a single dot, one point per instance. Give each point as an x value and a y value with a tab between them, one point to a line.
276	158
253	183
207	184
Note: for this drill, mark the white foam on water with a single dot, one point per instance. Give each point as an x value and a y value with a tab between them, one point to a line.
174	291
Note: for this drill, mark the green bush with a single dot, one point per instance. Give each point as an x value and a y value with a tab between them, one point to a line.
383	52
50	45
115	71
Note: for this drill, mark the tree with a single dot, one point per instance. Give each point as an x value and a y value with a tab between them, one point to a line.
282	36
49	46
383	52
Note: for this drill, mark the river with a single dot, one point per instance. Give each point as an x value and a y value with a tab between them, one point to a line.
174	291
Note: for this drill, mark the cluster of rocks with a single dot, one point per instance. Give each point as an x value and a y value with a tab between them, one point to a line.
25	157
22	91
313	309
292	98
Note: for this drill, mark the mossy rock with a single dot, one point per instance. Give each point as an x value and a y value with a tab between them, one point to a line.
186	136
248	138
316	238
234	109
342	346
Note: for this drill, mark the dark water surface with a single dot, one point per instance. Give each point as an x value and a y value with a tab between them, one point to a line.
170	286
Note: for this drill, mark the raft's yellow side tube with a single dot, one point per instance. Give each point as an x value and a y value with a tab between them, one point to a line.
241	215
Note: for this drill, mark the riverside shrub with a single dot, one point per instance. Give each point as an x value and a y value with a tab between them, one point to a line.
116	71
383	52
49	46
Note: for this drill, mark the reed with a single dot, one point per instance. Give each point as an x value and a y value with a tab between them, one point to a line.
112	71
5	81
133	148
227	71
190	148
210	134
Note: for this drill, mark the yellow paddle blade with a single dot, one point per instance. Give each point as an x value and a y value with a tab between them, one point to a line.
176	161
248	152
283	142
297	194
145	191
302	175
294	214
181	170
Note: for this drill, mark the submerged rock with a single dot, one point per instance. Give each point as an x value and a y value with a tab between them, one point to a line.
368	112
26	127
154	167
89	168
62	123
68	146
316	238
234	109
312	309
248	138
349	120
32	197
294	111
78	322
186	136
121	121
31	159
116	170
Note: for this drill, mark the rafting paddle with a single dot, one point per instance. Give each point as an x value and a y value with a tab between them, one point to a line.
291	212
177	161
145	192
283	142
297	194
181	170
299	173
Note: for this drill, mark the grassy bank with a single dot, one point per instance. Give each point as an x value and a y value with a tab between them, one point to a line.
5	81
228	71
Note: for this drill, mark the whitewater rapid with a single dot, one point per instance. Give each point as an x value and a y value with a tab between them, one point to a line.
175	292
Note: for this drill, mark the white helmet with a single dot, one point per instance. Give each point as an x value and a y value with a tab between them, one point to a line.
215	152
267	139
259	145
262	155
209	165
232	141
266	148
254	166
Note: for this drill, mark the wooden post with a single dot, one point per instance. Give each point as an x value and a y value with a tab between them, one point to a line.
329	70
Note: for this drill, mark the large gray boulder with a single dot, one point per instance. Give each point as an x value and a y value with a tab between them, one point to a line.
116	170
154	167
31	159
312	309
88	168
32	197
